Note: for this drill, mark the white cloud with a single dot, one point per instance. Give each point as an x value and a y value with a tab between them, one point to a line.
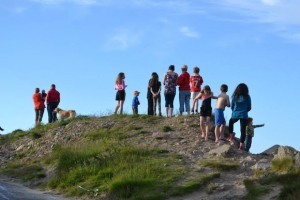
78	2
270	2
123	40
188	32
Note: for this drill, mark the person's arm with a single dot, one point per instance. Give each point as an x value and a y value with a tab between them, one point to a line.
259	125
212	96
165	77
179	80
151	90
249	104
227	101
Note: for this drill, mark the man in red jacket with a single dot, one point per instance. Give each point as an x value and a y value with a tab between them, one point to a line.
183	82
52	100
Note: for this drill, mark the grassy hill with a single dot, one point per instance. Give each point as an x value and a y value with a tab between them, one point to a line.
141	157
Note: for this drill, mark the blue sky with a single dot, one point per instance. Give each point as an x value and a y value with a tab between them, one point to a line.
81	45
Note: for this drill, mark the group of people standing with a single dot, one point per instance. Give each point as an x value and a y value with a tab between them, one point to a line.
52	99
190	88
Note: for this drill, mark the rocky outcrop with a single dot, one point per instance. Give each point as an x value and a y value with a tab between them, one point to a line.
182	137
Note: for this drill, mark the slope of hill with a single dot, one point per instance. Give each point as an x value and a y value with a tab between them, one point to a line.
143	157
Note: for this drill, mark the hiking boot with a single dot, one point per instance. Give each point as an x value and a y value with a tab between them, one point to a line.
1	129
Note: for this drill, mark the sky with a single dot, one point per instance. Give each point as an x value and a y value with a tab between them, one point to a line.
81	46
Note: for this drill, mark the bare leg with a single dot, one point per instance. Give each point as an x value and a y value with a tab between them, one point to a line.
167	111
217	133
117	107
207	128
202	126
196	105
121	106
171	112
222	130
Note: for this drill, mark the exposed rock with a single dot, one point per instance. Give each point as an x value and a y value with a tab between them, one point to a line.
285	152
297	160
184	139
262	164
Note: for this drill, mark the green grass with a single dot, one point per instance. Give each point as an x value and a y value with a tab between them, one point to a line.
25	172
193	184
283	174
117	169
283	165
220	164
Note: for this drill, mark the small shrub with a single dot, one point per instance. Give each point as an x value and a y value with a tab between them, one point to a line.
166	129
283	165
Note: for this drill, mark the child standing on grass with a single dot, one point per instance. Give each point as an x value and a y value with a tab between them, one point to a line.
120	96
205	111
195	83
250	133
135	103
240	106
222	102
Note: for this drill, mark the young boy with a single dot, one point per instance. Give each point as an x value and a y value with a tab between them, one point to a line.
135	103
195	82
222	102
250	133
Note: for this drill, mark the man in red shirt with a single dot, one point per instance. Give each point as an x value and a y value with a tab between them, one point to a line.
183	82
52	100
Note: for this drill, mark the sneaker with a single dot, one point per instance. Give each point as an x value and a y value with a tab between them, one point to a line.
230	138
241	147
1	129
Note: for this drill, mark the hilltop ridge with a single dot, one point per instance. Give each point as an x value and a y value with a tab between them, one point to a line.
233	170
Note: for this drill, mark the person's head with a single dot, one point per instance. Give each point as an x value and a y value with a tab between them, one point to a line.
184	68
224	88
43	91
53	86
196	70
120	76
206	90
249	120
171	67
136	93
154	76
241	90
37	90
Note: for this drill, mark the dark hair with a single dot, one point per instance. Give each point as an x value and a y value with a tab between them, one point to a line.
241	90
53	86
172	67
154	80
207	88
119	78
196	69
224	88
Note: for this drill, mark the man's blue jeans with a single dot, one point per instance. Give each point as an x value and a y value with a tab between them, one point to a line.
184	100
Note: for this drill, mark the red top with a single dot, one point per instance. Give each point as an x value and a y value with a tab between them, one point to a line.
184	81
38	101
196	82
53	96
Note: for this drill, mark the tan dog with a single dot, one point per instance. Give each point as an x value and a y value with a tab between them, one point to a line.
65	114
